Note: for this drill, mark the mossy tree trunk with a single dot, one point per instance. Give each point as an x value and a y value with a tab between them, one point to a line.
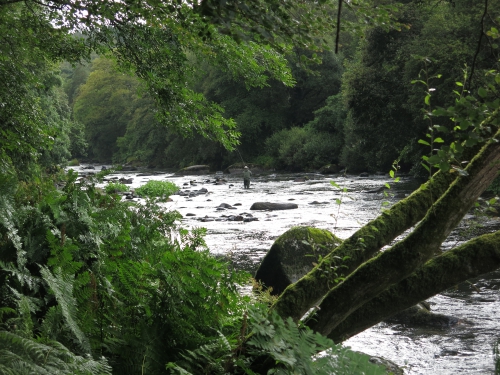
438	206
476	257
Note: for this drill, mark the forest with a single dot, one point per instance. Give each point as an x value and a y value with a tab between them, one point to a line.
91	284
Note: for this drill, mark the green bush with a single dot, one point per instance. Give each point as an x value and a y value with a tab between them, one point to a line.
157	189
101	280
73	163
264	161
293	350
115	187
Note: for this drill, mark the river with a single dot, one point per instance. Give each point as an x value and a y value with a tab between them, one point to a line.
466	348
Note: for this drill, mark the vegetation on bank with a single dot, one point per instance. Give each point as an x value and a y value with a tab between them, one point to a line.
91	285
157	189
360	109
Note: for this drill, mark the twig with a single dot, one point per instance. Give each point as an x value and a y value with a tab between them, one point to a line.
478	44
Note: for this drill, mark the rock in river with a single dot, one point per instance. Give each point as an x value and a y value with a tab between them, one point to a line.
273	206
292	256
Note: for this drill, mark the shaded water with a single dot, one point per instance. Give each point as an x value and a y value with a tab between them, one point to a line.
466	348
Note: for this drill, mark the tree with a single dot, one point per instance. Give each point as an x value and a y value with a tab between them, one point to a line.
410	270
384	120
71	257
105	105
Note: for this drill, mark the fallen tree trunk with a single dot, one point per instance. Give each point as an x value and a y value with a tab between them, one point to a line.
395	264
474	258
360	247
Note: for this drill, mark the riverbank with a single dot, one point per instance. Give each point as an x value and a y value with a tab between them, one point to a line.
466	348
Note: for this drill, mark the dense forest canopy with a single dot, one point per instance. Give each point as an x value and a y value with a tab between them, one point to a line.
90	286
358	108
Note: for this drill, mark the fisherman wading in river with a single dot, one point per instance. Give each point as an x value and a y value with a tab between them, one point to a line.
246	177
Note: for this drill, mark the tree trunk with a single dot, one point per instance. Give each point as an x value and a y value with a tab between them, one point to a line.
395	264
476	257
298	298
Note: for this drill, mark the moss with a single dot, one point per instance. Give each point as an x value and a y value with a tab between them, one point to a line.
294	254
360	247
474	258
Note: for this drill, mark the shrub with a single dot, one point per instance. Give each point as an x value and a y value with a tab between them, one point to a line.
157	189
115	187
303	148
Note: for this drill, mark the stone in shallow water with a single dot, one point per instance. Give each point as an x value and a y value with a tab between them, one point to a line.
292	256
273	206
421	316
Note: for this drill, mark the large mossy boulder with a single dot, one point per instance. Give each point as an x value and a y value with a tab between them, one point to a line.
293	255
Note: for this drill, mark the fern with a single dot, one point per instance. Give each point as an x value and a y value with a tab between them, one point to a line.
8	186
19	355
295	349
62	287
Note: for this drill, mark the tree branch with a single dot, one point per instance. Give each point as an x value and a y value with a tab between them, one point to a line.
406	256
474	258
299	297
478	44
337	37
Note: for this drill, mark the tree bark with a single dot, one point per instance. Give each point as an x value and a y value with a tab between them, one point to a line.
395	264
298	298
474	258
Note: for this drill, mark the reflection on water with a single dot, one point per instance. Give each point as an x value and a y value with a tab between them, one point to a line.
466	348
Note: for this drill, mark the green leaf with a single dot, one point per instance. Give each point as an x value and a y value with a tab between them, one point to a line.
421	141
439	140
482	92
334	184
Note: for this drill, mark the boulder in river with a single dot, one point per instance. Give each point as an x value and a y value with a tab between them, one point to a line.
194	170
421	316
293	255
126	181
273	206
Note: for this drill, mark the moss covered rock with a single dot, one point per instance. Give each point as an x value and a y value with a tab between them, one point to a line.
421	316
293	255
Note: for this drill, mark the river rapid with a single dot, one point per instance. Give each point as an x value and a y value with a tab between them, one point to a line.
466	348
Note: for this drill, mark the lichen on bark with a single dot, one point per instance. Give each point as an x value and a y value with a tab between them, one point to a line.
476	257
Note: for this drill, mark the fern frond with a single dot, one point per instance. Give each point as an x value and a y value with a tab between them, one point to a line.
19	356
62	287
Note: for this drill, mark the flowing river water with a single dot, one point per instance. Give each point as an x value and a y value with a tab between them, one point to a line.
465	348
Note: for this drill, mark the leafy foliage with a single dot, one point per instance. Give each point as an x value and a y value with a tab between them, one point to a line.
19	355
157	189
115	187
288	348
83	254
